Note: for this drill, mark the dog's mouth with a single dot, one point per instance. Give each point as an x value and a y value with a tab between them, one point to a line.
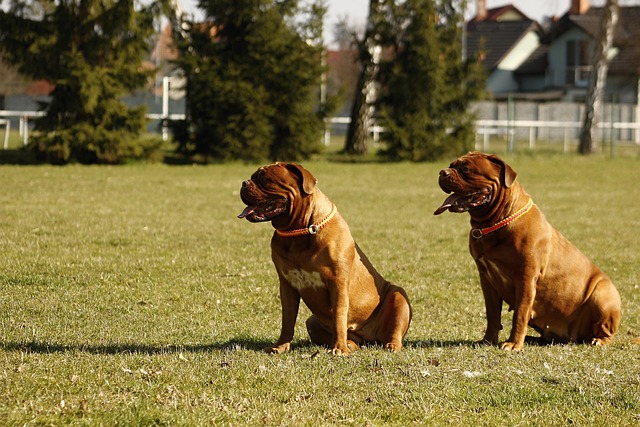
265	211
463	202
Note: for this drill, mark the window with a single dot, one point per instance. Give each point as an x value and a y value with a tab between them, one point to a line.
578	63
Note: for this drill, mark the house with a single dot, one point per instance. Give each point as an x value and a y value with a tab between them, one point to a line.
503	39
568	47
559	66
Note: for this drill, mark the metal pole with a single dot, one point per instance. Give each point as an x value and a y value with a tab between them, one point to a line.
510	129
165	107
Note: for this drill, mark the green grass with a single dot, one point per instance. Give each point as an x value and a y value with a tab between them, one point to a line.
133	296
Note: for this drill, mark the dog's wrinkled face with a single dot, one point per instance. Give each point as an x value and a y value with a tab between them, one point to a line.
273	189
473	180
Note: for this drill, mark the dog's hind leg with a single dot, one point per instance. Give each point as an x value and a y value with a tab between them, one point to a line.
394	319
599	318
322	335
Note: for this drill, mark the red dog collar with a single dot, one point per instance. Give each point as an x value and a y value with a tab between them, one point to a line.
477	233
312	229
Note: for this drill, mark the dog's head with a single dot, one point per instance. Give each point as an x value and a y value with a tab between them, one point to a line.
473	181
275	190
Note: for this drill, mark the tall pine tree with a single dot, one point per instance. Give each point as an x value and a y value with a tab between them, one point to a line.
253	72
91	51
427	87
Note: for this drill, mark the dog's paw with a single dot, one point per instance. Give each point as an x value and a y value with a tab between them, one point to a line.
393	347
278	349
511	346
344	349
339	351
601	341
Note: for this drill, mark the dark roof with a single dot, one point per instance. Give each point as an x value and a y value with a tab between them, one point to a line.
495	14
496	38
626	39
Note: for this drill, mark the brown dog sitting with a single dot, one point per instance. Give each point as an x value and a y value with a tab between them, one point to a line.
317	260
525	262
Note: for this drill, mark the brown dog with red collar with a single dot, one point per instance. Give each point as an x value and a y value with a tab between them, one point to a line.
525	262
317	260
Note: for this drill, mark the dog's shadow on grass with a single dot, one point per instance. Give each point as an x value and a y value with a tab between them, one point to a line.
240	343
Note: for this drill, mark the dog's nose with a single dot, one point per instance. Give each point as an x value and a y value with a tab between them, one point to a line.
245	183
444	172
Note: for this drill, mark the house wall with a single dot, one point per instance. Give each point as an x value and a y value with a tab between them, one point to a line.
557	57
531	83
502	79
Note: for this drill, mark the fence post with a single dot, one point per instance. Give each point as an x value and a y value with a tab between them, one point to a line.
25	129
7	129
532	137
510	129
611	131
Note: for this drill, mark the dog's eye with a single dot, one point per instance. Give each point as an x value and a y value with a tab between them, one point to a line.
465	169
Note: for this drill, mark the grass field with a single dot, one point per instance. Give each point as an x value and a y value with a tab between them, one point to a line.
133	296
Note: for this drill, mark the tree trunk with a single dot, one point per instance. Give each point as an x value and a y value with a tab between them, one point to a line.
364	97
598	77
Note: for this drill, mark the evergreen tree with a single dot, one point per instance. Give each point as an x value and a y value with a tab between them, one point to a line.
426	85
92	51
253	73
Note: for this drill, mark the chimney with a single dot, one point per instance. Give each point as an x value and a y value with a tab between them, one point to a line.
481	12
579	7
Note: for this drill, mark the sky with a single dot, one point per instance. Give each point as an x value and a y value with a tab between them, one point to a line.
356	10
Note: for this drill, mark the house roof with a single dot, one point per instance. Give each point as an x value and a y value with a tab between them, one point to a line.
497	34
536	63
502	13
496	38
626	38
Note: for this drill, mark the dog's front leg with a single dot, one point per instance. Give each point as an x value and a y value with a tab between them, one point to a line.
493	307
525	295
339	293
290	300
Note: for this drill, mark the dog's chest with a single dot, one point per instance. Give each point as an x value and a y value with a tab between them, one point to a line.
494	273
304	280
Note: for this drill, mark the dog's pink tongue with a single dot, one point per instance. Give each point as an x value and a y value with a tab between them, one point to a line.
447	204
247	211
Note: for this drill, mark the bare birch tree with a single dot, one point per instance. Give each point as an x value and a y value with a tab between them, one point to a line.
362	108
598	77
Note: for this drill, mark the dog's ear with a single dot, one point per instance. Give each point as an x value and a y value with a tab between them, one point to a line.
308	181
507	175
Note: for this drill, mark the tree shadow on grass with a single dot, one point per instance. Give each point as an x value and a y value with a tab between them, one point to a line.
241	343
18	157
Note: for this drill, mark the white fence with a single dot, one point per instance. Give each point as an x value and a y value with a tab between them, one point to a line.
485	129
25	116
570	131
